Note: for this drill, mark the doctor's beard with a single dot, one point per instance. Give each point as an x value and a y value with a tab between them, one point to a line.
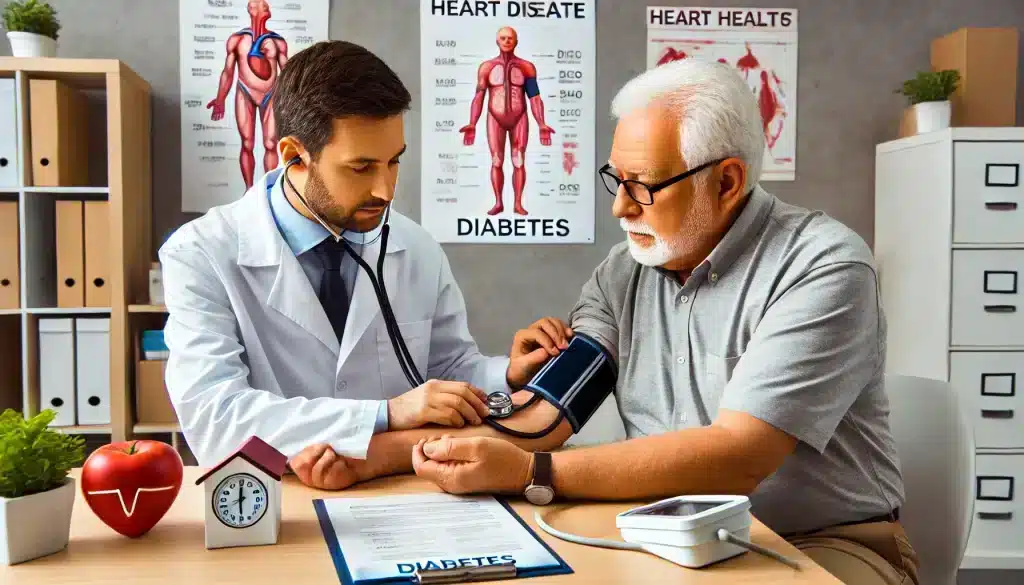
320	202
660	253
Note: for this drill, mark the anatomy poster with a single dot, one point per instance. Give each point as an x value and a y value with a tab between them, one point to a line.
761	43
232	52
508	121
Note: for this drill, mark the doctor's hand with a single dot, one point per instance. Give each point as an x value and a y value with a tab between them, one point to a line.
473	465
450	404
318	466
533	347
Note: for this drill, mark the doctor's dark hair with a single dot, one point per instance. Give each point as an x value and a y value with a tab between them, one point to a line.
329	80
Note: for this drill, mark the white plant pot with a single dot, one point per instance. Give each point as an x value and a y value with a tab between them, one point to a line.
932	116
25	44
36	525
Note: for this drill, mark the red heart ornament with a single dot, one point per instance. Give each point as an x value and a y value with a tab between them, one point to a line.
130	485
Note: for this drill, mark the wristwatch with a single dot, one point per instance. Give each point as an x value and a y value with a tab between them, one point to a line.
540	491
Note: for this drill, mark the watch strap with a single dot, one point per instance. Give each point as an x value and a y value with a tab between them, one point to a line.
542	469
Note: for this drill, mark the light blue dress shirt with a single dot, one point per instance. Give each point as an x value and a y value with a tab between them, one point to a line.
302	235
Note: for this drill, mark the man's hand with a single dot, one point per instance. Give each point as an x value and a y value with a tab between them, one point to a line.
468	134
450	404
473	465
320	467
533	347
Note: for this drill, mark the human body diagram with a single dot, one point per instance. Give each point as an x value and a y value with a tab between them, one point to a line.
507	82
258	54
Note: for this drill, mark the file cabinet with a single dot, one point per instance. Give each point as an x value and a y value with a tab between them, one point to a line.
949	245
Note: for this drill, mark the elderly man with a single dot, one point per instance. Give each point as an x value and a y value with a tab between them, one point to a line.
749	337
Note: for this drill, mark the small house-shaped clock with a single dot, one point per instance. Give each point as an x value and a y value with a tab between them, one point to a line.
243	496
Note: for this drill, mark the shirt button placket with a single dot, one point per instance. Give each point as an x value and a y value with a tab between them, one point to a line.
683	299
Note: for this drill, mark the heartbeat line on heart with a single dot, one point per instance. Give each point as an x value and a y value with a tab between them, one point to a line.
135	499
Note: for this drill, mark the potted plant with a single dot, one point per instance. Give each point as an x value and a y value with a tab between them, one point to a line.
928	97
36	493
32	28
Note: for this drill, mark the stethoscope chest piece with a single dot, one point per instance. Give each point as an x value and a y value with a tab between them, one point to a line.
500	404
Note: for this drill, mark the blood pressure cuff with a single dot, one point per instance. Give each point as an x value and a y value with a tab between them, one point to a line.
577	380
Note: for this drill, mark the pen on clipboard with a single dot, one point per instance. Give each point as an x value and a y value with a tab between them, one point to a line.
467	574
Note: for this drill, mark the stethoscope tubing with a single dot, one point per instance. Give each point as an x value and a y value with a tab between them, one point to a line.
408	365
405	360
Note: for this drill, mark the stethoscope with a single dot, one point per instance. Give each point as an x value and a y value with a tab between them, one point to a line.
412	374
499	403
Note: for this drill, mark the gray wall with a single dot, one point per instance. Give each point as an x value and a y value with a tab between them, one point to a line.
852	54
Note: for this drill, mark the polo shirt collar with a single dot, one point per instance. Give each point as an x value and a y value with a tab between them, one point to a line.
742	232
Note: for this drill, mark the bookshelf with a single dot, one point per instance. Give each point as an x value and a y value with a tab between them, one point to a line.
100	130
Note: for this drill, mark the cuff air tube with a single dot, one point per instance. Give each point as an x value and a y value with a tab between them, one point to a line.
577	380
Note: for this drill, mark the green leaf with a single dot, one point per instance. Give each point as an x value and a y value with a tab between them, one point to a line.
930	86
33	457
33	16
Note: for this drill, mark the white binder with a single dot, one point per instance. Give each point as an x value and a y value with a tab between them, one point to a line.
9	135
57	369
92	338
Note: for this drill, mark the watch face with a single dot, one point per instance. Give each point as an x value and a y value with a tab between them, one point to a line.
540	495
240	500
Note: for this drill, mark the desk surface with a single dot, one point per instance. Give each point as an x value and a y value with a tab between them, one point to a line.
173	552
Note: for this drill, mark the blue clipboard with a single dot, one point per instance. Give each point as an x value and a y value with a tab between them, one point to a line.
345	576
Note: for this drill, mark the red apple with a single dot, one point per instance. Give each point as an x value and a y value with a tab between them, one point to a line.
130	485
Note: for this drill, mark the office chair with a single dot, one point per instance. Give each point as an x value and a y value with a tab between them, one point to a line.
935	443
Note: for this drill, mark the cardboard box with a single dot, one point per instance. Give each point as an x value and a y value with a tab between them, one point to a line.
152	404
987	61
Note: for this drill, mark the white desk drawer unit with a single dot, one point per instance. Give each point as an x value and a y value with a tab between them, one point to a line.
991	386
949	246
988	205
988	301
998	526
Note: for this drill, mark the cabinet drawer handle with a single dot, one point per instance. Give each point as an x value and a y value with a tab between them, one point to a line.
1008	413
1001	205
1000	308
995	515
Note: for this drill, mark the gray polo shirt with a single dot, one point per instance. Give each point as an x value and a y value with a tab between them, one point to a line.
782	321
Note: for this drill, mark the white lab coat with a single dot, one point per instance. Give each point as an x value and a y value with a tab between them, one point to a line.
253	353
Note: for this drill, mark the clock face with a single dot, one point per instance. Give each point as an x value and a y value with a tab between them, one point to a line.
240	500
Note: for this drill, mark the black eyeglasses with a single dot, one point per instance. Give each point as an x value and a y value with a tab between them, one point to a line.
643	193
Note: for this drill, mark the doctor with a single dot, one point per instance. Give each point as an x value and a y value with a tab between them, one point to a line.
275	330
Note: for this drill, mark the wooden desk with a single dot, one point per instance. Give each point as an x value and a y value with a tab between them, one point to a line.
174	551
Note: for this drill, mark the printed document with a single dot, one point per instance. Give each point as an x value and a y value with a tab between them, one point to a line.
396	536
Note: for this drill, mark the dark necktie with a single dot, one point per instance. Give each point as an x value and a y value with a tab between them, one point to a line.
333	296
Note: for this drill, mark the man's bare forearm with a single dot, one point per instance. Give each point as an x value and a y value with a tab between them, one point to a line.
391	453
706	460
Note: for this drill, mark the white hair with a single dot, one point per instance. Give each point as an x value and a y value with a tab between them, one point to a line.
717	112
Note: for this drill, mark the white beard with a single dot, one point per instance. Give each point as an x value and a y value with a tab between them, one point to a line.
659	254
